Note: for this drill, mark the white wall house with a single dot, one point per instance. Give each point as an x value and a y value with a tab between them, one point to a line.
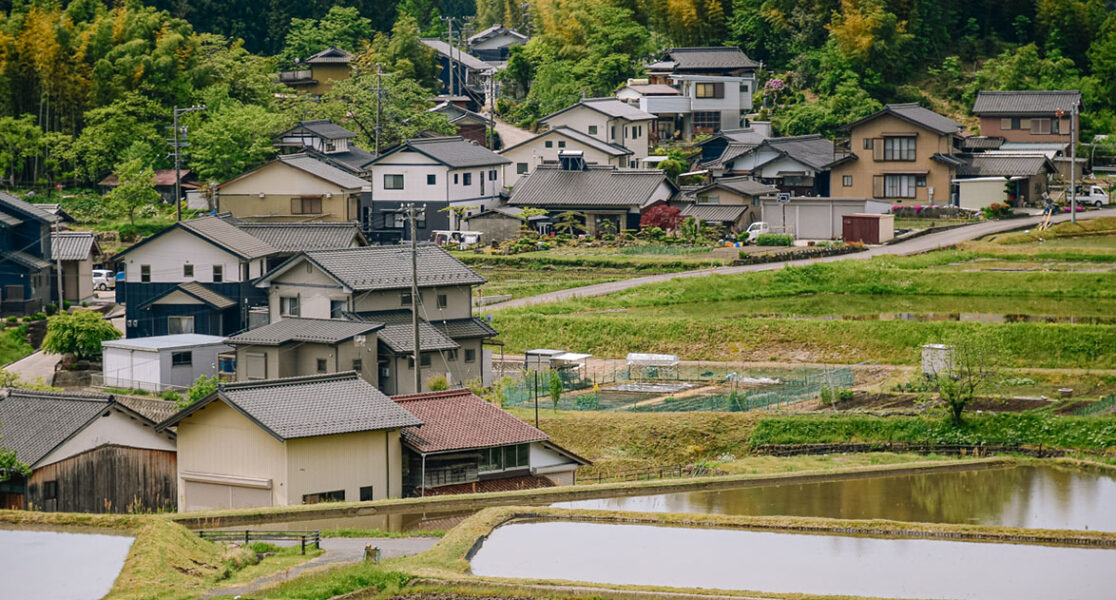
161	362
608	120
546	146
704	104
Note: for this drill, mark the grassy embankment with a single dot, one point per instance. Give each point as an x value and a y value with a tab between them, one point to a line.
12	345
598	325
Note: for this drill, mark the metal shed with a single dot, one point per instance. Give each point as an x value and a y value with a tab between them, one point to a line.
161	362
652	366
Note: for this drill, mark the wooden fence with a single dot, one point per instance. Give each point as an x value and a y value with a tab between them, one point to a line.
248	536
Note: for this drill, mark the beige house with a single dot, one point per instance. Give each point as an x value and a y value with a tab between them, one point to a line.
546	146
373	284
294	187
295	347
316	74
904	154
608	120
77	251
1028	117
732	202
289	441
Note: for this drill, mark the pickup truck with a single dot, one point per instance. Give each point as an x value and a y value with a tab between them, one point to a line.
1093	195
756	229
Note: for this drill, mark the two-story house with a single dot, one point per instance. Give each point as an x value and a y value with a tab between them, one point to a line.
293	188
1028	117
315	75
492	45
373	285
327	141
546	147
462	74
470	125
902	154
608	120
25	256
798	165
704	104
296	347
439	174
725	61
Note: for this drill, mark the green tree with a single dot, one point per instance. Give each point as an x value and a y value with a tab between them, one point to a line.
1102	60
232	139
525	215
10	465
112	129
402	55
19	140
79	333
226	69
570	222
404	109
57	151
1024	69
848	103
672	167
458	213
555	388
202	387
971	367
342	27
135	186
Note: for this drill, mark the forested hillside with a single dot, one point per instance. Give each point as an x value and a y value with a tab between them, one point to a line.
88	86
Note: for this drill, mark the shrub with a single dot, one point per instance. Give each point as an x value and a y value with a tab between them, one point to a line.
774	239
437	383
80	333
203	386
66	304
996	211
844	395
13	320
51	309
171	395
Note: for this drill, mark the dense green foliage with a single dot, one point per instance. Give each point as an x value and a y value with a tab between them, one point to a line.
80	333
1091	433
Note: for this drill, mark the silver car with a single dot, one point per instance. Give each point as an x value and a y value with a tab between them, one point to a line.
104	279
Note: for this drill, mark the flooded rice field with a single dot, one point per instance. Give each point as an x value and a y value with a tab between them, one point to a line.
794	563
59	566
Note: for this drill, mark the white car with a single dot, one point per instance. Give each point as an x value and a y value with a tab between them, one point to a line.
1092	195
104	279
756	229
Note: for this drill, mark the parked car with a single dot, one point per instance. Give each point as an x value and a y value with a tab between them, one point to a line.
756	229
104	279
1092	195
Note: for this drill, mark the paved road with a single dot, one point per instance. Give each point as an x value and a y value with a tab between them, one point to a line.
919	245
337	551
511	135
37	365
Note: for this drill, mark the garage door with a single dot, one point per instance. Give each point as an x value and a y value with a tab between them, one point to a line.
201	496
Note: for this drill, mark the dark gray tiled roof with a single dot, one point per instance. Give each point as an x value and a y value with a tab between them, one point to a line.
9	220
71	245
455	113
916	114
197	290
389	267
155	409
494	31
714	212
742	185
550	186
325	128
610	106
400	338
301	237
321	331
459	55
1025	102
324	170
732	151
354	160
989	165
25	208
225	235
709	57
33	423
333	54
583	138
26	260
455	152
811	150
300	407
464	329
978	142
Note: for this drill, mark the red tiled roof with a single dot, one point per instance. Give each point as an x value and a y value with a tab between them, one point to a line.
162	177
459	420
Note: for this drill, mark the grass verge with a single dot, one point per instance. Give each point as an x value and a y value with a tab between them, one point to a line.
12	345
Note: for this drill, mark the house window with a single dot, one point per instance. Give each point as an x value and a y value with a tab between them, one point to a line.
187	270
592	130
145	273
1040	126
255	365
451	355
492	175
176	325
182	359
443	300
549	144
358	365
1005	124
393	182
334	496
322	365
404	298
466	179
431	179
50	490
455	178
709	90
707	199
846	180
899	148
337	307
920	180
470	355
366	493
613	133
288	306
306	205
520	168
707	121
899	186
869	143
395	220
425	359
218	273
502	458
561	143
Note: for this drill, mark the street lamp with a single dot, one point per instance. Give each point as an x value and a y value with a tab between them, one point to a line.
177	171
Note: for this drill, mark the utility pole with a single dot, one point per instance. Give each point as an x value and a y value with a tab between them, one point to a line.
178	145
452	71
379	104
411	214
1073	163
492	110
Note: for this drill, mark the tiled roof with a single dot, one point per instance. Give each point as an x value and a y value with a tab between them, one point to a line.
56	210
455	329
709	57
25	208
978	142
9	220
742	185
916	114
163	177
492	32
714	212
608	106
1021	165
300	407
25	260
459	420
583	138
463	329
323	170
33	423
301	237
71	245
455	152
155	409
811	150
196	290
455	113
325	128
227	236
354	160
459	55
400	338
550	186
333	54
732	151
389	267
1025	102
321	331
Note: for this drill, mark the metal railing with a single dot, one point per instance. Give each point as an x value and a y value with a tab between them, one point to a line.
304	538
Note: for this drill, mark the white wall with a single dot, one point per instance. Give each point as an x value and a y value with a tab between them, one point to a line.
535	152
117	428
169	252
785	164
978	193
415	168
813	219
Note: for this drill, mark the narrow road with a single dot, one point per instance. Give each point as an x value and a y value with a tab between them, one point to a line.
511	135
919	245
37	365
337	551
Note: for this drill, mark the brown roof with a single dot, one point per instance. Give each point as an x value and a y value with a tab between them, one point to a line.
460	420
162	177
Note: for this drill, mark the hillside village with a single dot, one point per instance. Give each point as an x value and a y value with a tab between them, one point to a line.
374	281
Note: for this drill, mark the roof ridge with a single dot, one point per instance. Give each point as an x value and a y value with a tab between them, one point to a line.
440	139
464	391
281	381
75	396
1029	92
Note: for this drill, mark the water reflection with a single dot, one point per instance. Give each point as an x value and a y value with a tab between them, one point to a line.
31	563
1032	497
790	563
